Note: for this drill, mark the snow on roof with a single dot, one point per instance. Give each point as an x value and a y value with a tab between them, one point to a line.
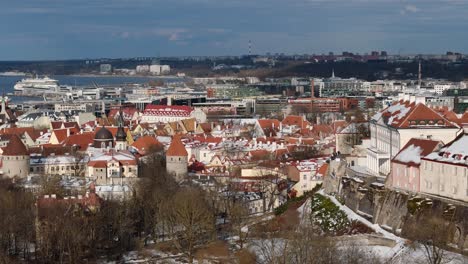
454	152
410	154
401	108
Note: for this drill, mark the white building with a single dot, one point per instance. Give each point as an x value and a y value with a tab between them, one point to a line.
168	113
394	126
445	173
159	69
142	68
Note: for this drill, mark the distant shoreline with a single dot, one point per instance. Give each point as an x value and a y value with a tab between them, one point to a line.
122	75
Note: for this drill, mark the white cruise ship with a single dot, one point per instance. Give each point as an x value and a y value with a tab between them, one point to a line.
37	84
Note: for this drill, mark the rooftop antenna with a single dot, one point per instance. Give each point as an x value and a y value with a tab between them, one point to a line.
419	75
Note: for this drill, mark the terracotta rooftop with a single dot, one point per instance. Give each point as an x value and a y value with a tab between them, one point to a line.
15	147
406	115
293	120
143	144
82	140
176	148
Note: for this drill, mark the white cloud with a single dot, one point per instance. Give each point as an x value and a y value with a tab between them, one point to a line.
409	9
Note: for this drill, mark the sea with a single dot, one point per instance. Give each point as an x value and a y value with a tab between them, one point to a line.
7	82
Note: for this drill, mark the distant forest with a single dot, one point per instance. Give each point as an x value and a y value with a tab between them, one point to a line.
362	70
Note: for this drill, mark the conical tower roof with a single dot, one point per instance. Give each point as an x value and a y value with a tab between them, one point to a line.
15	147
176	148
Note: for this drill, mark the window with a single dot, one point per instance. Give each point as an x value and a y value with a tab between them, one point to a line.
442	187
304	177
454	190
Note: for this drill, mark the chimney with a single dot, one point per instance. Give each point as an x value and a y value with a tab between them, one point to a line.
318	120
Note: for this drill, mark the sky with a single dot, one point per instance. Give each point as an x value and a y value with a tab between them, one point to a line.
75	29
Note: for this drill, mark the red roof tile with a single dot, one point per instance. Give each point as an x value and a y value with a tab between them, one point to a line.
15	147
269	123
143	144
82	140
293	120
176	148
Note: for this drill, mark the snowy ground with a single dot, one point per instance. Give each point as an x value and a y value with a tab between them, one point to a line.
401	253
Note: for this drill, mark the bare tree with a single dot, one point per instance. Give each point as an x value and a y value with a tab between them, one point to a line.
238	215
193	222
432	233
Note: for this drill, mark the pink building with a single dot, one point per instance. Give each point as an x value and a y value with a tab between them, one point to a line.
405	166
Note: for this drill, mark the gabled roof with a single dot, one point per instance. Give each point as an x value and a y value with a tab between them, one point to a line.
60	134
455	152
176	148
269	123
33	133
189	124
293	120
206	127
414	150
407	115
15	147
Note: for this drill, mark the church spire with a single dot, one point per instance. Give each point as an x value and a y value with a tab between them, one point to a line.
333	73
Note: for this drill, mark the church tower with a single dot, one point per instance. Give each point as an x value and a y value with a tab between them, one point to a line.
121	136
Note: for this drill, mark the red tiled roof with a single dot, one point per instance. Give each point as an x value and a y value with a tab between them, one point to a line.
33	133
323	169
168	110
206	127
176	148
82	140
143	144
15	147
259	154
48	149
269	123
98	164
293	120
405	115
56	124
60	134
